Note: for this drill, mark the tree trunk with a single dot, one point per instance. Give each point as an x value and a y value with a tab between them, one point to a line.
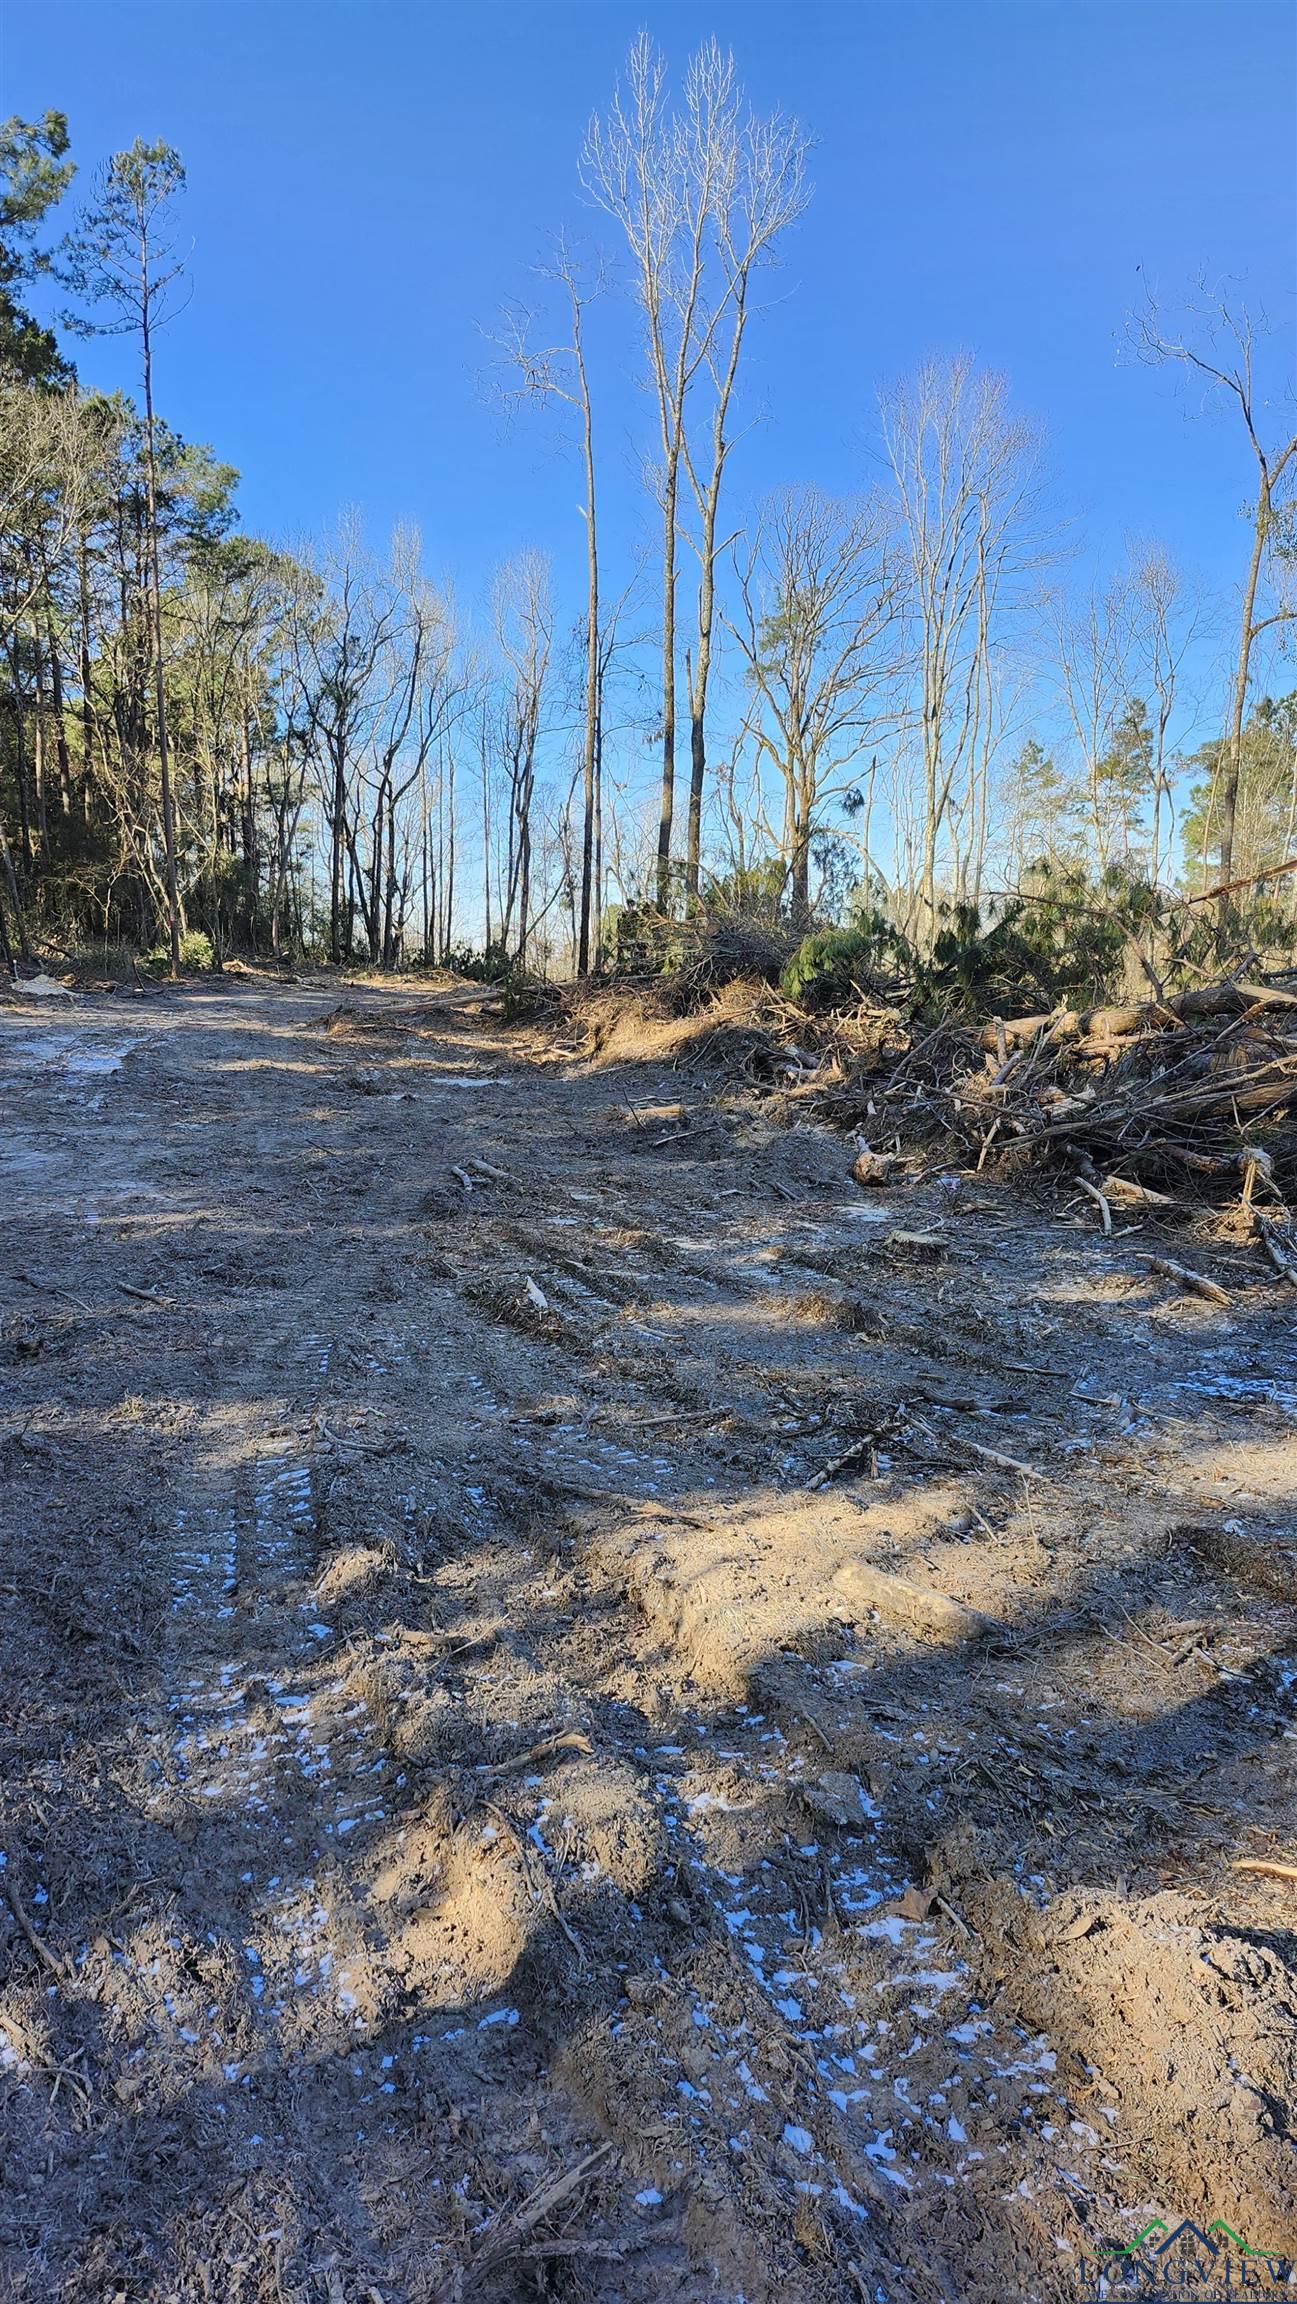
155	571
800	879
448	936
1234	751
335	855
10	878
486	841
389	903
87	687
668	685
707	603
20	755
524	877
60	728
596	908
592	685
38	772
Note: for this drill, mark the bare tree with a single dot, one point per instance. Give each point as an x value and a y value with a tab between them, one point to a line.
1222	350
339	644
561	371
1094	641
419	693
524	623
700	195
1167	622
818	635
633	165
123	257
964	471
758	171
53	449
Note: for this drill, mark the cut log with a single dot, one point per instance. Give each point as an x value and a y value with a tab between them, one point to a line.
1113	1023
873	1167
1118	1023
1127	1194
916	1606
1196	1282
1005	1033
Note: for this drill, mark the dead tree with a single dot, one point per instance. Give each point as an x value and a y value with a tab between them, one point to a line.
963	472
818	633
1224	354
524	620
700	194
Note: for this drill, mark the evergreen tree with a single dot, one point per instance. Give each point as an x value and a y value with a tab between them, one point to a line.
1266	807
35	172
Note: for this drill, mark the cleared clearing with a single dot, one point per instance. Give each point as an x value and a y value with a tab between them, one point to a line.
479	1819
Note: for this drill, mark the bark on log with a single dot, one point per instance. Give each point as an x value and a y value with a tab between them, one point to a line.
1196	1282
1113	1023
916	1606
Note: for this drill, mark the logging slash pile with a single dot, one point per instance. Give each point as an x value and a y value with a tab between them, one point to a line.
1166	1106
1164	1095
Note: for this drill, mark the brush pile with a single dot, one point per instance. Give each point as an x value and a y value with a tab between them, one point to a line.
1164	1105
1145	1105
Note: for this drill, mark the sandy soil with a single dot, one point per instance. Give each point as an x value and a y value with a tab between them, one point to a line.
463	1835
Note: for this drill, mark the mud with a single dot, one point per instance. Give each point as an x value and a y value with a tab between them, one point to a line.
460	1837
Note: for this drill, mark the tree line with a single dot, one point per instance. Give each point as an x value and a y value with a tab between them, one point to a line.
211	742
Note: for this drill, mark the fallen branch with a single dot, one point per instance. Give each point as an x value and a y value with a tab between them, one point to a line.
1196	1283
44	1956
1093	1193
859	1452
550	1748
1281	1256
979	1448
1253	880
1009	1463
513	2231
1129	1195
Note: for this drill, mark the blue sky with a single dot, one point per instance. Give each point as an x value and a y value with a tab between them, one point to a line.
370	181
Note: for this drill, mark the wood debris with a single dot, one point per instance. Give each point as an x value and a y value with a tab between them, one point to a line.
917	1606
1196	1283
1193	1096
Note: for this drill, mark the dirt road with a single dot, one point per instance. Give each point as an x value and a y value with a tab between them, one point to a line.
463	1833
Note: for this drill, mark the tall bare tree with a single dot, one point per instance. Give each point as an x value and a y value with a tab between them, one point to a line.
561	372
757	168
340	641
700	194
122	260
524	623
1220	346
964	473
1094	642
1167	621
818	635
633	164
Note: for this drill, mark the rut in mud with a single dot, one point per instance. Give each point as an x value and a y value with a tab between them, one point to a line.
464	1835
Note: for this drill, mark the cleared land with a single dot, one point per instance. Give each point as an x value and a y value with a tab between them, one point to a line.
591	1711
